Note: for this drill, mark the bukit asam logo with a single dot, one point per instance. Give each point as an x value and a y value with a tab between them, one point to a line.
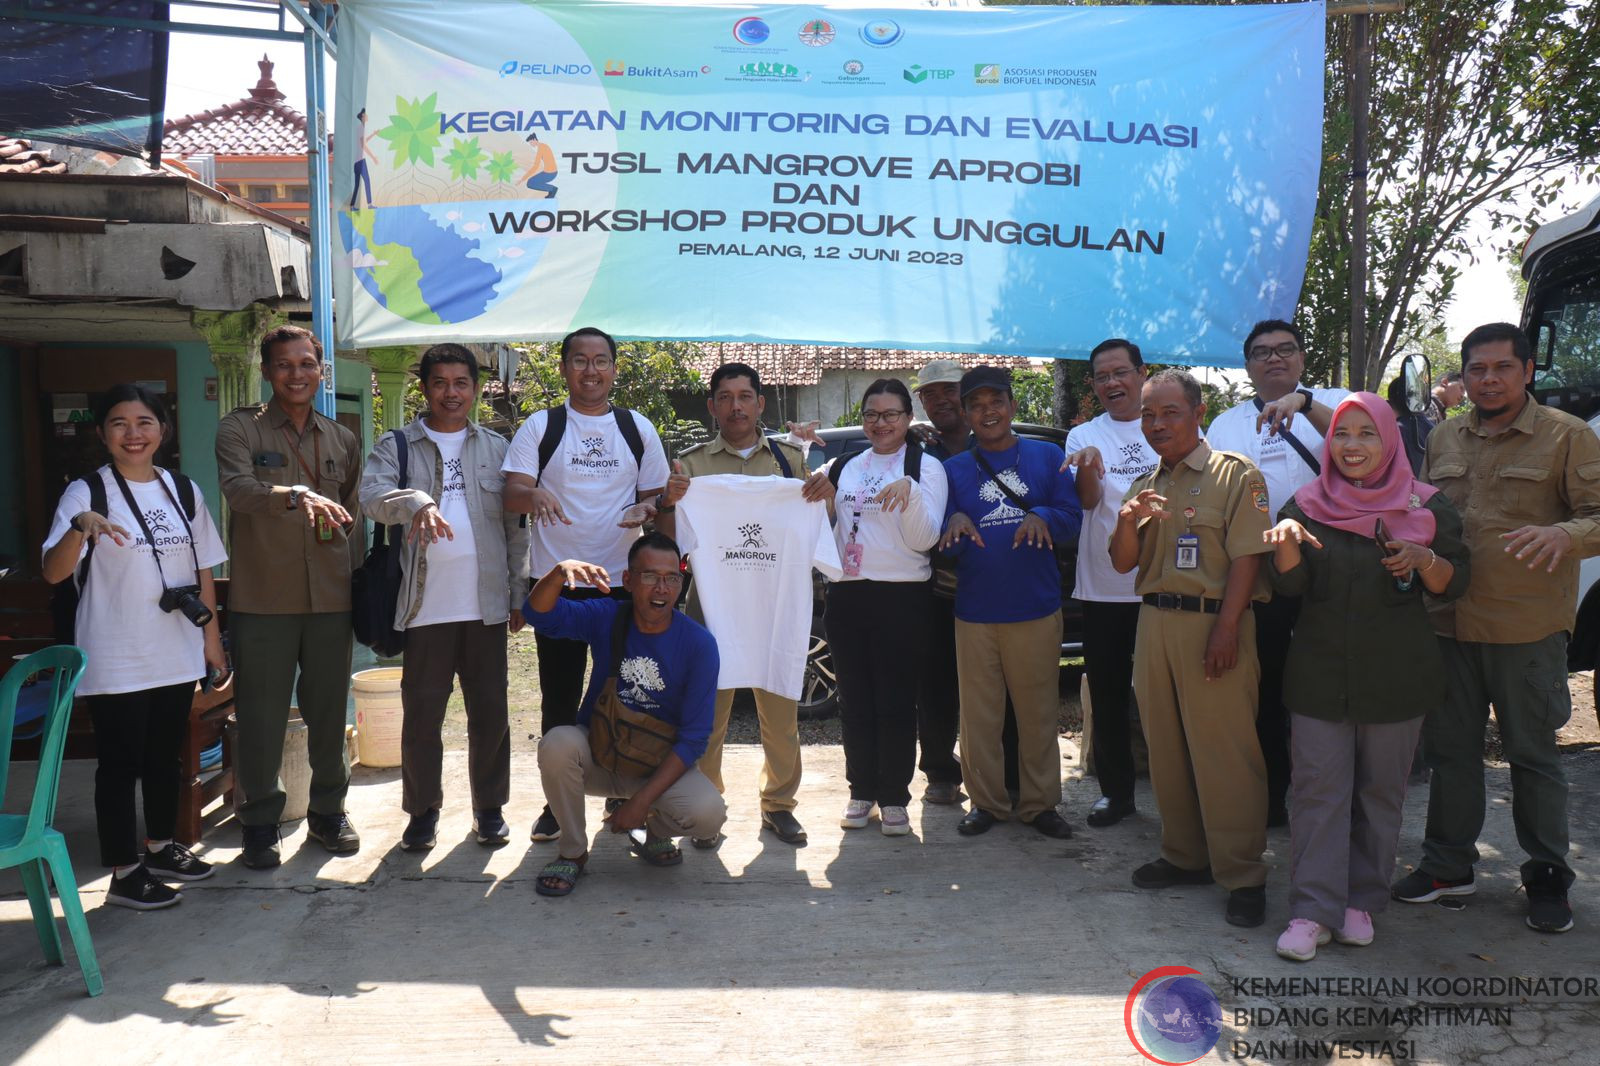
1172	1017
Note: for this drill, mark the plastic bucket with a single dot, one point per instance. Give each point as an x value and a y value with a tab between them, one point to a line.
378	715
294	772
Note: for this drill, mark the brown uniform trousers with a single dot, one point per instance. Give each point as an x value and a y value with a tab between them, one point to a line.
1205	763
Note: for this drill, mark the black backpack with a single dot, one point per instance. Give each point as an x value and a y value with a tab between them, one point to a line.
913	463
556	428
66	594
375	587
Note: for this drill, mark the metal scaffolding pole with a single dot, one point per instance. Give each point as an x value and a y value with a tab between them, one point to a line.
316	38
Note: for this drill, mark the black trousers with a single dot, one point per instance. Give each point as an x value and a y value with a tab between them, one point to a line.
138	737
434	657
877	632
939	696
1275	621
561	664
1108	639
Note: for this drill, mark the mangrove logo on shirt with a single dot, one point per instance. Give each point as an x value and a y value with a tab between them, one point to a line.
592	457
156	519
1133	462
455	480
1004	510
642	675
752	552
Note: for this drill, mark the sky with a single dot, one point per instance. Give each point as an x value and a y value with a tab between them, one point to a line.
206	71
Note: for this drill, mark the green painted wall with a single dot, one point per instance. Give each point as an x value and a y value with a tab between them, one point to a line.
11	530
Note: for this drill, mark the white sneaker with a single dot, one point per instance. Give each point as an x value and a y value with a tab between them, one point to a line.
896	822
857	813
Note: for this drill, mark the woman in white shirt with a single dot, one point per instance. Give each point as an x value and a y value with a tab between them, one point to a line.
885	522
146	618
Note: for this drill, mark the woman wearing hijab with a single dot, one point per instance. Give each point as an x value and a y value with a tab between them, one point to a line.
1360	546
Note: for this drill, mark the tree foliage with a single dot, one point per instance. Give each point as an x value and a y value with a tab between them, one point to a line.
647	373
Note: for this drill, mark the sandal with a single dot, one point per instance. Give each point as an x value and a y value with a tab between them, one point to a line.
565	874
657	851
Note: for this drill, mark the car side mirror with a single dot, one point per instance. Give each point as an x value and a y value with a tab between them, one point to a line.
1418	378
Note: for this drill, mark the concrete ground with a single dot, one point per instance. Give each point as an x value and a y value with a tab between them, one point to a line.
930	948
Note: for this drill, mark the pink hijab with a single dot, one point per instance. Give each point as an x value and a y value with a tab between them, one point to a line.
1390	493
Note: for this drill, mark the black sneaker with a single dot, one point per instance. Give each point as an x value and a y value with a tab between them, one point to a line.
421	832
1247	907
546	827
490	827
1163	874
176	863
1548	909
141	892
260	847
333	831
1419	886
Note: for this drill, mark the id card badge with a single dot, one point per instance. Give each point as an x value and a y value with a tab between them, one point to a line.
324	528
1188	552
852	560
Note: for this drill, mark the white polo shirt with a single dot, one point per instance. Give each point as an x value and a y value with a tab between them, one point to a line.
1284	469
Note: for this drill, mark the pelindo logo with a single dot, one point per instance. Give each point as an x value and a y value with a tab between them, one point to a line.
882	33
543	70
1172	1017
751	30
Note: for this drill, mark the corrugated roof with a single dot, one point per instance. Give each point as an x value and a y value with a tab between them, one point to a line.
259	124
804	364
18	156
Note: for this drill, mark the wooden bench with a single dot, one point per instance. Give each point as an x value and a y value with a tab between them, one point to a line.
26	625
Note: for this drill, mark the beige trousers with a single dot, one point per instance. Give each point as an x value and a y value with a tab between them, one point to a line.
691	807
780	743
1023	658
1205	762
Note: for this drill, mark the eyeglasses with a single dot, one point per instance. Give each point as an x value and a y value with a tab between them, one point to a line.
671	579
601	363
1116	375
869	417
1262	352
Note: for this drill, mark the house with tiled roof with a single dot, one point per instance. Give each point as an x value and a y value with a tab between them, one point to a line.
820	382
254	148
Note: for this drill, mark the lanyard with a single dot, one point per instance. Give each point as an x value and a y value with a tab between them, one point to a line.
149	537
316	452
1005	489
861	491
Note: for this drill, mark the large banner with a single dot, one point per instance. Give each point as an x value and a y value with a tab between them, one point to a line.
1026	181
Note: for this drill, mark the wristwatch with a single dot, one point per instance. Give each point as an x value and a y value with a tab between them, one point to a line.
295	492
664	508
74	523
1309	399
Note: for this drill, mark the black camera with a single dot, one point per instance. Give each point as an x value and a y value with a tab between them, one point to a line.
186	598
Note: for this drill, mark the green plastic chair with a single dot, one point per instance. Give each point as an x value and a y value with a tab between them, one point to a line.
27	840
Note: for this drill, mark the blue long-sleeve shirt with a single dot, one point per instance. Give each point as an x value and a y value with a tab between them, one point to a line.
671	676
999	583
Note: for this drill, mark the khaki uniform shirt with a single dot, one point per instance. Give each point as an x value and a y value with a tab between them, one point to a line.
1542	470
1228	496
716	457
279	566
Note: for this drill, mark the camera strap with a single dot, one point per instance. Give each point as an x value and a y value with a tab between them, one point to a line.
144	527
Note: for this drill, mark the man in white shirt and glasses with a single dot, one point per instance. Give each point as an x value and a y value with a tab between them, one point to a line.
1281	431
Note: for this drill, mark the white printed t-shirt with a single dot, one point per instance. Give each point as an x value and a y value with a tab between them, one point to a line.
894	547
132	644
1234	430
594	477
752	542
450	589
1127	457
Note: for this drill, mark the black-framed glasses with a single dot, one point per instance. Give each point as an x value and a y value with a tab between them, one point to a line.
869	417
1120	374
1262	352
599	362
671	579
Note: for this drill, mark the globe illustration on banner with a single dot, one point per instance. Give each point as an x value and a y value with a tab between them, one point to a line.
427	263
1177	1019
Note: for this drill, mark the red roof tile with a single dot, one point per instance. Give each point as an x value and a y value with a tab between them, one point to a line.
803	364
260	124
18	156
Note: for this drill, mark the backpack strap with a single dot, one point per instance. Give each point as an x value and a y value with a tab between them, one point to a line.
99	504
1295	442
913	459
837	469
630	433
402	453
554	429
186	497
778	456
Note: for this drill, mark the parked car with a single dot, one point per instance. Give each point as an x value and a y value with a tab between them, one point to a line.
819	697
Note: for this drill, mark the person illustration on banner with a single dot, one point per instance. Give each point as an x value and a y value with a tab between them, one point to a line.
542	175
362	178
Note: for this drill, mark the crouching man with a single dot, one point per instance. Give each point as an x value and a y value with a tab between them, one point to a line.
646	715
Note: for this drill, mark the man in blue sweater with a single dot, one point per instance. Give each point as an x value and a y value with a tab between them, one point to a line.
1009	505
666	669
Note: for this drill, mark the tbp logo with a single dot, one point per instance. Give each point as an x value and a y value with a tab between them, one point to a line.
916	74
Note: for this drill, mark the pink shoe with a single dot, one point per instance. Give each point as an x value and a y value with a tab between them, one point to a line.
1357	929
1302	939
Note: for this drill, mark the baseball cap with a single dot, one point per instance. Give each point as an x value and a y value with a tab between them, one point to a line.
985	377
939	372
